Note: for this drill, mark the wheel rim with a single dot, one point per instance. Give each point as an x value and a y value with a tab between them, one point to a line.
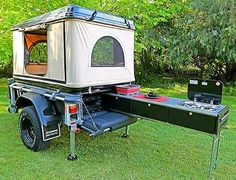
28	129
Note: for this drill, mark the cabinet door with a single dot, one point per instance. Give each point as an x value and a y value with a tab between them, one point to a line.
150	110
116	103
193	120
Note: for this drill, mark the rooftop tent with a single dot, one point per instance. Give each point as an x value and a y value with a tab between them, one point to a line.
84	48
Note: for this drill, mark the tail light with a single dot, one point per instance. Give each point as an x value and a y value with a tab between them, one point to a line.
73	108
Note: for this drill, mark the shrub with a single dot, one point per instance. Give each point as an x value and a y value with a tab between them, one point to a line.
5	69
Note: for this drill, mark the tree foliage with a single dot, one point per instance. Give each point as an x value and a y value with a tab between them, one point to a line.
206	36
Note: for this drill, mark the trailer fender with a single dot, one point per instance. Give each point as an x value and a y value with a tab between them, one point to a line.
43	107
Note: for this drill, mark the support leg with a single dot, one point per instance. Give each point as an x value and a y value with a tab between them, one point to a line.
217	152
126	134
216	142
212	156
72	156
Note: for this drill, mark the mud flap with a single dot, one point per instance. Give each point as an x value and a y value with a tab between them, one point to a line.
51	132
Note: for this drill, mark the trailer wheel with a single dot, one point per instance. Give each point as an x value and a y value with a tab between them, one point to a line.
30	130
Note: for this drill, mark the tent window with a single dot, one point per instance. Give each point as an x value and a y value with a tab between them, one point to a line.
107	52
36	54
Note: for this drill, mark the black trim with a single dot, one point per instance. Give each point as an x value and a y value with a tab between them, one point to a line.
64	43
44	79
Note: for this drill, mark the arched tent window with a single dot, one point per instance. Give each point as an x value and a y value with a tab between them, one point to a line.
107	52
36	54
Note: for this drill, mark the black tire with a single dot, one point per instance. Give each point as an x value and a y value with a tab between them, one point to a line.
30	130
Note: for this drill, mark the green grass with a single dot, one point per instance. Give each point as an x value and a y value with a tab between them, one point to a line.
154	150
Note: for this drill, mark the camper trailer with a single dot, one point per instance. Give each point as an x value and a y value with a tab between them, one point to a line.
75	66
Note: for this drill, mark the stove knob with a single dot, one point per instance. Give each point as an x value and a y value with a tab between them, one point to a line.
190	113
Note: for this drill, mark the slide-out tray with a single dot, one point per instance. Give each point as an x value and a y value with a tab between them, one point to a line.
104	121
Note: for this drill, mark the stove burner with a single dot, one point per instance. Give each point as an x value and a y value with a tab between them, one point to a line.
199	105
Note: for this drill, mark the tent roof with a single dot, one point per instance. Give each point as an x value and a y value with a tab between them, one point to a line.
76	12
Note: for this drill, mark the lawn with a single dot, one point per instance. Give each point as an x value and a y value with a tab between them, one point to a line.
154	150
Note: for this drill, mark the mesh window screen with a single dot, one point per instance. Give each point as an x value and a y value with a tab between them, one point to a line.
36	54
107	52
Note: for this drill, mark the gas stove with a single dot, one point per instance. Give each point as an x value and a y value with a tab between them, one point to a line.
199	105
203	95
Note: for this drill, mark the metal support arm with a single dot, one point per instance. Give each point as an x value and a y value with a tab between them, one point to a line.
72	156
126	134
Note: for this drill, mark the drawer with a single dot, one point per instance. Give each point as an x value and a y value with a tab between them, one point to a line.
193	120
150	110
116	103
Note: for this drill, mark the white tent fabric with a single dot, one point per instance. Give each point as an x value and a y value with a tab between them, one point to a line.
55	54
56	70
18	52
80	39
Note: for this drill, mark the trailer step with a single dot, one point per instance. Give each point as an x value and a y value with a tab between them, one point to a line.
104	121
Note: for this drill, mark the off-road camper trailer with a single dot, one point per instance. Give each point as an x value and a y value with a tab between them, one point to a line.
74	66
